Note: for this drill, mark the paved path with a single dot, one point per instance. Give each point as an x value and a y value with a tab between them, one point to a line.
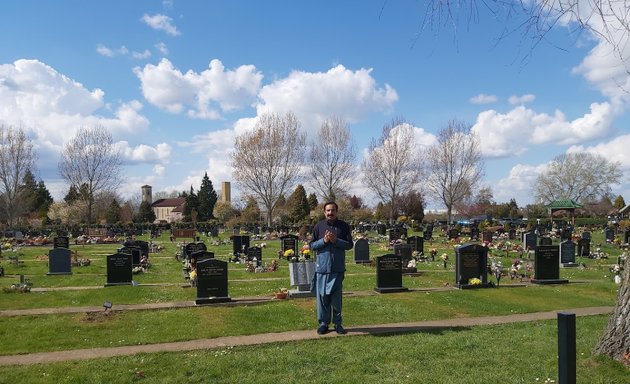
228	341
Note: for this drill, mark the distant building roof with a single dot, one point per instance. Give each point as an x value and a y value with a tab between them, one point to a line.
625	209
563	204
173	202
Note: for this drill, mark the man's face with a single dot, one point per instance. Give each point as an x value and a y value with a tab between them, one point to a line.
331	212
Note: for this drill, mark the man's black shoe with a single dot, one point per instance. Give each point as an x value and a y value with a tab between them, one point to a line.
322	330
340	330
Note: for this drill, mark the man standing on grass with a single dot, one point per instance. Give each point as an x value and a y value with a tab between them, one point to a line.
331	239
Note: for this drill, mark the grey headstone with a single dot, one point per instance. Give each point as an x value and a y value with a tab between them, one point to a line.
59	261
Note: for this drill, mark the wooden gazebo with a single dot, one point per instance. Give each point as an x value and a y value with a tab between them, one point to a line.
563	205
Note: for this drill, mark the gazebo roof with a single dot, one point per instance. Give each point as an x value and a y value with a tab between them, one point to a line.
563	204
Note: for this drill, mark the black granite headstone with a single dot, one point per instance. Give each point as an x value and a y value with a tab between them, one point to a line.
61	242
59	261
545	241
586	235
567	253
427	235
201	255
389	274
254	253
609	234
289	242
212	281
361	251
397	233
529	241
547	265
404	251
240	243
119	269
584	247
626	236
191	248
453	233
487	237
471	261
417	243
512	234
135	253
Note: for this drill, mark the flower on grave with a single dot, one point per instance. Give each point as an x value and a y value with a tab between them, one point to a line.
415	254
444	257
474	281
290	255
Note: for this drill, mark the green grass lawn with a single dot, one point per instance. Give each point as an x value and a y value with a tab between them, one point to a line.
522	353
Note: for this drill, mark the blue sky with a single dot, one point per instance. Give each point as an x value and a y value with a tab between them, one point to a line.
175	81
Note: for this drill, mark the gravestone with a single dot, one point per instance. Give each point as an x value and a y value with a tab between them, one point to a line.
453	233
301	276
135	253
59	261
255	253
566	233
240	243
119	269
141	244
427	235
529	241
381	229
212	282
201	255
547	265
417	243
362	251
567	254
487	237
610	235
397	233
471	261
626	236
389	274
545	241
404	251
584	248
586	235
474	234
214	232
289	242
61	242
191	248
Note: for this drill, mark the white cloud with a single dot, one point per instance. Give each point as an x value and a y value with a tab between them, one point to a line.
109	52
199	94
514	132
143	153
482	98
162	48
518	184
141	55
615	150
523	99
161	23
313	97
159	170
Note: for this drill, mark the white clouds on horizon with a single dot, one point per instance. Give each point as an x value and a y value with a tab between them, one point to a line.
199	94
523	99
514	132
482	98
161	22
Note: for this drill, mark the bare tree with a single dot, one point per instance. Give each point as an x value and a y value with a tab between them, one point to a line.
332	157
91	164
17	158
392	166
267	160
577	176
455	165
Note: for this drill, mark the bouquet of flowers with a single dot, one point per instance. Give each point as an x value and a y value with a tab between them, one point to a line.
290	255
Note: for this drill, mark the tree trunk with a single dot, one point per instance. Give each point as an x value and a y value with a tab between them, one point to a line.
615	342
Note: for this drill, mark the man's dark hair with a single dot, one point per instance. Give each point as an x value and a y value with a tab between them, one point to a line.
331	203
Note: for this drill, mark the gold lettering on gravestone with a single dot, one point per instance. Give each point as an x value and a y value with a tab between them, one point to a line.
390	264
208	270
120	262
469	260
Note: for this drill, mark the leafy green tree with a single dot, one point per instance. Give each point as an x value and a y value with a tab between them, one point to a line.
192	206
297	206
224	211
72	195
206	199
619	202
43	199
113	212
145	213
251	212
312	201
